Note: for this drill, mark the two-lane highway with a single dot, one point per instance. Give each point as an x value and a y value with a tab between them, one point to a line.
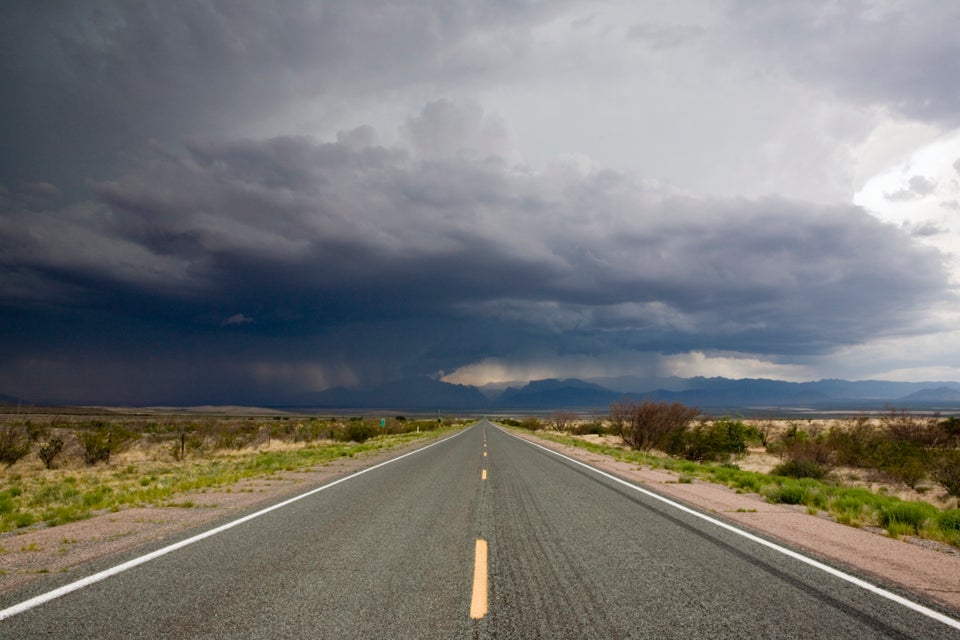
480	535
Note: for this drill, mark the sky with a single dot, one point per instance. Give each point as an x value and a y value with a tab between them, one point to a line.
236	201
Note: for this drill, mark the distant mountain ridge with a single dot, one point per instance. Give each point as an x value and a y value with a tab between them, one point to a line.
709	394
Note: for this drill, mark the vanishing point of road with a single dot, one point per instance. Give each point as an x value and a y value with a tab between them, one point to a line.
479	535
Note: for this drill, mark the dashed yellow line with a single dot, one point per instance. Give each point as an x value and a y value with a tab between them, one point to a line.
483	474
478	603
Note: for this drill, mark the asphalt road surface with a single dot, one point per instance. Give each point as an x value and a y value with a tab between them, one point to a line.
481	535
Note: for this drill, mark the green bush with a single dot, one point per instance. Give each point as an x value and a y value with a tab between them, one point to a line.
903	461
801	468
591	427
787	493
946	471
710	442
950	520
853	444
951	426
912	514
359	431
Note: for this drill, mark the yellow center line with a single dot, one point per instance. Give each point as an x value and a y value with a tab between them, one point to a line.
478	603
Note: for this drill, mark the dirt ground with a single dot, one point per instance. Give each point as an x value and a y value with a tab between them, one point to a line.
930	570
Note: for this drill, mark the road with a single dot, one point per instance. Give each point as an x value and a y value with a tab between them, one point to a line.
397	552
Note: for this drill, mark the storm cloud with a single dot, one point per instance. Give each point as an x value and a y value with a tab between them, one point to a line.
319	239
229	202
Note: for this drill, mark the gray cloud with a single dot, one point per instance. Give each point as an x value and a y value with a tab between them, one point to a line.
444	129
658	37
89	84
918	187
324	241
897	54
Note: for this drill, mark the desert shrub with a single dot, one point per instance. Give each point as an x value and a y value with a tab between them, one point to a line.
358	431
100	440
951	426
800	468
946	471
649	424
806	458
531	423
902	461
590	426
49	447
853	444
14	444
708	442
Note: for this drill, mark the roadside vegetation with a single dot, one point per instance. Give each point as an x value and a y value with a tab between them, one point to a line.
845	468
59	469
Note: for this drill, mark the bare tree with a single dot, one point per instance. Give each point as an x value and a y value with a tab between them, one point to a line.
648	424
562	419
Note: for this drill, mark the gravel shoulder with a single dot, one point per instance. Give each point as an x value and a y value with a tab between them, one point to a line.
932	571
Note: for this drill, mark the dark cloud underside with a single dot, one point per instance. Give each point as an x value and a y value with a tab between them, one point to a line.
318	247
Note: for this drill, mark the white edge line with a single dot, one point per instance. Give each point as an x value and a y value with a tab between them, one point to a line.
43	598
919	608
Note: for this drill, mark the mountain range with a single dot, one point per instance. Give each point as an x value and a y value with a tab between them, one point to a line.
713	395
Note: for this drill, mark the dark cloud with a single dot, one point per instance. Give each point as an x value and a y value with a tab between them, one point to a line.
899	54
88	84
351	263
